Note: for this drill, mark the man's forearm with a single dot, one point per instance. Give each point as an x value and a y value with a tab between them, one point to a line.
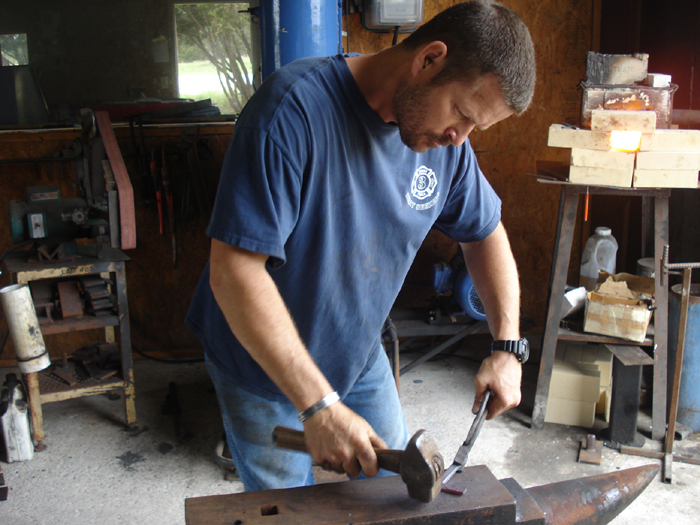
259	319
492	268
491	265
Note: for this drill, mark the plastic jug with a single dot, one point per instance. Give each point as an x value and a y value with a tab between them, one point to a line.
599	254
14	417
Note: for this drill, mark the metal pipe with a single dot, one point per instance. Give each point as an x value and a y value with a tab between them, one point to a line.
290	30
24	327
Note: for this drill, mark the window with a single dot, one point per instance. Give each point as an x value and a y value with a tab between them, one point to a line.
13	49
215	53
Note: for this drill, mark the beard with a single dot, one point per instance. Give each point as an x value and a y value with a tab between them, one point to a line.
409	111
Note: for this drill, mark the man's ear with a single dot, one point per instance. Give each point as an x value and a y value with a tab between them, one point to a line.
429	58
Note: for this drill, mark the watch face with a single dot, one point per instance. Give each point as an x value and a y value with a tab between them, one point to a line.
524	350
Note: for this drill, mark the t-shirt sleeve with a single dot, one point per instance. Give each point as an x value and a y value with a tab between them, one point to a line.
258	200
473	209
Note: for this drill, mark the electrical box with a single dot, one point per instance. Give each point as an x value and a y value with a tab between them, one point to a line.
387	15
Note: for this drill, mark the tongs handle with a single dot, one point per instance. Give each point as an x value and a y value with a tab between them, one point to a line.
463	453
478	421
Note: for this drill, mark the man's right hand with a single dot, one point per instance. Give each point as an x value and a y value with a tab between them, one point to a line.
338	439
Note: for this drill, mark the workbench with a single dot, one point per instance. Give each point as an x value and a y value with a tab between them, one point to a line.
413	323
655	343
44	387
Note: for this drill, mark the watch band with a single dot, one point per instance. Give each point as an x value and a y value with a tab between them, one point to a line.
520	348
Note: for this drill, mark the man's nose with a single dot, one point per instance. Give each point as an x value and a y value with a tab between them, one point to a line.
458	134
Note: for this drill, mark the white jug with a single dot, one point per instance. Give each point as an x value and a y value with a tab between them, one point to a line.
599	254
14	416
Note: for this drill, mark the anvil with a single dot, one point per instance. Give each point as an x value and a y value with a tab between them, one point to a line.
488	501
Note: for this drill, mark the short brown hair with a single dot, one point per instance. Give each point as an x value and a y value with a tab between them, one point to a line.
483	37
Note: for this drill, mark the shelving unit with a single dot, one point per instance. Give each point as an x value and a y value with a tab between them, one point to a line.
45	386
656	340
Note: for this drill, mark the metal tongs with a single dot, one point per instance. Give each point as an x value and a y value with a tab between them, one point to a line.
460	460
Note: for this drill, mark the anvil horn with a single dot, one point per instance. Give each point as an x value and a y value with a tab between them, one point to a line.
596	499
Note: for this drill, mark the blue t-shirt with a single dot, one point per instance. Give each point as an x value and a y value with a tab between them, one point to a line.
315	179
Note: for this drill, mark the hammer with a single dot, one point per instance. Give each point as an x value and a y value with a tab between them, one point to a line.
420	465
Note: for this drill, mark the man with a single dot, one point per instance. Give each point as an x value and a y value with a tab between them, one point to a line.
337	169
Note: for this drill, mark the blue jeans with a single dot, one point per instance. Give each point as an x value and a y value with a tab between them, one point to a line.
249	420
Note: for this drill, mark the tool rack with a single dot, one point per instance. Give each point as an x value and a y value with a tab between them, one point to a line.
45	387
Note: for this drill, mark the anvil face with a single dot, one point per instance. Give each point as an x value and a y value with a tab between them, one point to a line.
375	500
488	501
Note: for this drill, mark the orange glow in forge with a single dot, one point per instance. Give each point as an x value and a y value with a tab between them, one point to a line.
625	140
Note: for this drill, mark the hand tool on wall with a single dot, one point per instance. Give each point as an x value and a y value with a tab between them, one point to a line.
420	465
165	180
155	175
460	460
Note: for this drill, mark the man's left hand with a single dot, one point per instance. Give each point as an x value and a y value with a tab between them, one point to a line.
501	372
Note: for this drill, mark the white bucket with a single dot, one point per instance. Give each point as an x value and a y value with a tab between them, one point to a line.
24	327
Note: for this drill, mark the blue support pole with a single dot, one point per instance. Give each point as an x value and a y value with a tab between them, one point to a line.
293	29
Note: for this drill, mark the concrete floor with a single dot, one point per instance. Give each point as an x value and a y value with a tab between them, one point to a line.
96	472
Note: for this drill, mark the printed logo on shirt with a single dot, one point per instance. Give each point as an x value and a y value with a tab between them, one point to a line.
422	187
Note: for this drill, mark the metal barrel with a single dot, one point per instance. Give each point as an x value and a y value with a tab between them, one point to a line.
689	393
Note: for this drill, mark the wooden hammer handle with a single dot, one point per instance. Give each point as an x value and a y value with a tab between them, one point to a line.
294	440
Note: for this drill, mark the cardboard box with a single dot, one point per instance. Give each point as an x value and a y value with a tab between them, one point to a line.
620	307
574	381
574	390
597	357
602	407
570	412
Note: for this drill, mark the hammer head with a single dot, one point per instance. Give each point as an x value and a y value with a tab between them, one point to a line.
422	467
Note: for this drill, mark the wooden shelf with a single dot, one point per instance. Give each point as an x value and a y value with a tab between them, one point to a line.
52	388
585	337
45	386
77	324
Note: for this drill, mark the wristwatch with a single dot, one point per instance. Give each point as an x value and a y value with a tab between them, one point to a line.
520	348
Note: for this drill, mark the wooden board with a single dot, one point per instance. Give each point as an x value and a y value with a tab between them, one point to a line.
127	216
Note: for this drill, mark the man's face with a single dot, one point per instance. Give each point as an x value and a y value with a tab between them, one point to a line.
430	115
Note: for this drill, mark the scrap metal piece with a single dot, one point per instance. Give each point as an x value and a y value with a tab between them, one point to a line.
590	451
69	297
602	68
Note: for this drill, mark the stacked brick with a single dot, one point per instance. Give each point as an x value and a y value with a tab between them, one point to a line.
666	158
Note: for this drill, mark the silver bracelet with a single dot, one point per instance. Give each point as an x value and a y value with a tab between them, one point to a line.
313	409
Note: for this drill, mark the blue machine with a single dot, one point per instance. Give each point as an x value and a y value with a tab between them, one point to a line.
293	29
455	278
